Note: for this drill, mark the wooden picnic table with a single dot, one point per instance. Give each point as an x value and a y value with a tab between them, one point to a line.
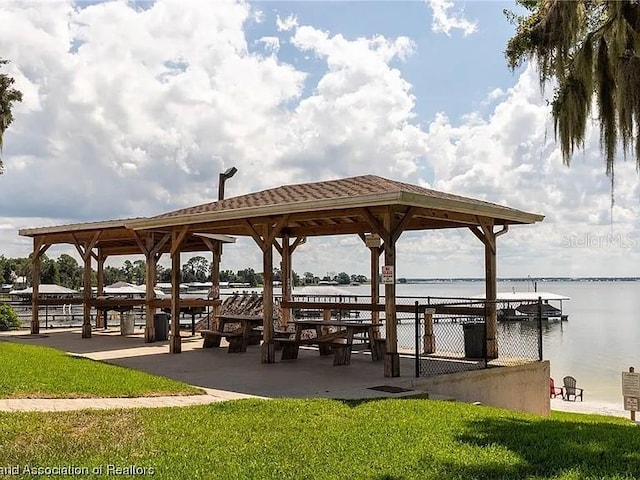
238	338
341	341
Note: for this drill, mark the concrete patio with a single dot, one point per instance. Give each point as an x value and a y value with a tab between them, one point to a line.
240	373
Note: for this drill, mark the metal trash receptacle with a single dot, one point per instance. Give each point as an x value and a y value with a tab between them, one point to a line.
127	323
161	326
474	334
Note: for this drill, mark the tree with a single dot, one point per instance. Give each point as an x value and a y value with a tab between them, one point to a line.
196	270
227	276
21	267
70	272
113	275
309	278
8	95
8	317
138	272
164	275
590	48
248	275
6	272
342	278
49	272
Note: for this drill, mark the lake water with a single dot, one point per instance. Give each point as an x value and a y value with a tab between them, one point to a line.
600	340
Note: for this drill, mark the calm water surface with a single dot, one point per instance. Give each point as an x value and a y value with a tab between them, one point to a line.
600	340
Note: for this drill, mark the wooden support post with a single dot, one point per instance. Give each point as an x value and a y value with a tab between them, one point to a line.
392	357
35	296
86	296
488	237
265	242
389	230
38	249
150	282
215	247
491	296
215	279
429	339
375	251
632	413
268	347
101	316
491	291
175	342
86	252
375	285
285	271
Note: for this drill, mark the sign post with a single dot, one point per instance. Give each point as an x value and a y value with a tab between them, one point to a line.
387	274
631	392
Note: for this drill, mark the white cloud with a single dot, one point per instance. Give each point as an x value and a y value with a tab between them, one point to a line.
444	21
134	112
271	44
289	23
493	95
358	118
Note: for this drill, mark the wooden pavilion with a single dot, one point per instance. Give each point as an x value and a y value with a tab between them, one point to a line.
282	218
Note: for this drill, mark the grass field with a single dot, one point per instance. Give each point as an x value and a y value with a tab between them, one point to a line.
325	439
28	371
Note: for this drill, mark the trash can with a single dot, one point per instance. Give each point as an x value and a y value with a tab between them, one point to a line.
473	340
161	326
127	323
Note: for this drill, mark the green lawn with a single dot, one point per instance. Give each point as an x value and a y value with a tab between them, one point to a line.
28	371
326	439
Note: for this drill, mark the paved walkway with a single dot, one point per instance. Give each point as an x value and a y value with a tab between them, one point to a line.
66	404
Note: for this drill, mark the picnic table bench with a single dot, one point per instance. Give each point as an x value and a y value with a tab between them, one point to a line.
238	338
349	336
212	339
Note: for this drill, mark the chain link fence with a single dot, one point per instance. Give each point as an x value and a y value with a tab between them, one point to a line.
443	334
452	335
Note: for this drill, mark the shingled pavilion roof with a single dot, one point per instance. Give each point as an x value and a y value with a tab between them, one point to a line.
336	204
343	206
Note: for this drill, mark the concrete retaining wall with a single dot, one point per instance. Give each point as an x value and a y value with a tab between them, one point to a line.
524	387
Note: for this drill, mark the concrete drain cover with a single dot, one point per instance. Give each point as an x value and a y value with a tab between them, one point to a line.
390	389
28	337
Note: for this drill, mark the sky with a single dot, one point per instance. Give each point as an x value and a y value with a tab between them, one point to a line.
133	108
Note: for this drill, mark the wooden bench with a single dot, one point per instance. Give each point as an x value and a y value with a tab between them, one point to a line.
278	334
379	348
212	339
289	347
327	344
341	353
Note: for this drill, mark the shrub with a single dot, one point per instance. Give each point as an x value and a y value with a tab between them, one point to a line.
8	318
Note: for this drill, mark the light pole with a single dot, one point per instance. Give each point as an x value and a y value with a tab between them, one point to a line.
230	172
217	254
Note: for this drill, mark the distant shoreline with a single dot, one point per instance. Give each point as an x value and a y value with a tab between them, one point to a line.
520	279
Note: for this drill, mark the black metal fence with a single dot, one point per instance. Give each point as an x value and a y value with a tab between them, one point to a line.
451	335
